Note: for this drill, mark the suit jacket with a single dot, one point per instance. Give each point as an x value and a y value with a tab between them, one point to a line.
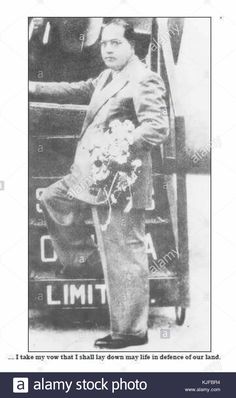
136	94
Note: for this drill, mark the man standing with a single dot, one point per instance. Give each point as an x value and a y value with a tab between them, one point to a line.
126	90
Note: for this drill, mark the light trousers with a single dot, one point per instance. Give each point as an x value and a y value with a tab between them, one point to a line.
126	274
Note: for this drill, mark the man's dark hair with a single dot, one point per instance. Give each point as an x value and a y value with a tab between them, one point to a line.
129	33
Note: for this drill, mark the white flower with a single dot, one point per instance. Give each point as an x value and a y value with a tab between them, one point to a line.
128	125
113	199
136	163
110	146
114	124
122	159
125	147
114	151
100	173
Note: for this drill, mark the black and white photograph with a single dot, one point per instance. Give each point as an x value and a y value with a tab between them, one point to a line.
119	158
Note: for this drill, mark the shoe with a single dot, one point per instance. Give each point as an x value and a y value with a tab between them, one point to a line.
120	342
104	340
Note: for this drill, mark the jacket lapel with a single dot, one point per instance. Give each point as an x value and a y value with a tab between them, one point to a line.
102	95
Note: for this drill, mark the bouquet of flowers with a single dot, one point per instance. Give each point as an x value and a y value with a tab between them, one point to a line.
114	167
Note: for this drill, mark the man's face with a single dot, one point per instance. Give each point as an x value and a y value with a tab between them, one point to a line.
115	48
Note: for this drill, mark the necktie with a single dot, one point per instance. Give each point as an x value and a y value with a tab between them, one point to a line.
109	79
